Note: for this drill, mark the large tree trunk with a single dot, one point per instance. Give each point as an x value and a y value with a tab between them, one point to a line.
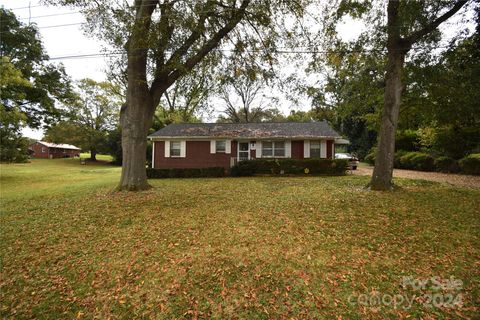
93	154
397	49
383	171
135	119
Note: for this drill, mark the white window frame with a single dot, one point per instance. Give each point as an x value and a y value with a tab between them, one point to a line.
274	148
224	146
319	149
43	150
179	149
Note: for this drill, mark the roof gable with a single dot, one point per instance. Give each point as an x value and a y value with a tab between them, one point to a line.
248	130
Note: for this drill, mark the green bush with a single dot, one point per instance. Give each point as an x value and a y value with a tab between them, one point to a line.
416	161
290	166
446	164
406	140
243	169
470	164
370	158
397	156
185	173
457	142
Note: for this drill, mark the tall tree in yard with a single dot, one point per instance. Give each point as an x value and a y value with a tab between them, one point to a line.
90	118
45	83
410	24
164	40
400	40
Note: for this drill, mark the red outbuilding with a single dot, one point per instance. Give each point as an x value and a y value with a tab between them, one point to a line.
48	150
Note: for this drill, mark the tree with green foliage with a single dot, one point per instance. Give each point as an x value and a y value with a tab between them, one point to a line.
13	146
409	24
45	84
93	115
242	87
164	41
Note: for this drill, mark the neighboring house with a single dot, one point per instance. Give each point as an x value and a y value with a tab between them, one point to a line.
202	145
42	149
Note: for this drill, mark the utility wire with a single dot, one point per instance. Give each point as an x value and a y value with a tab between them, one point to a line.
62	25
50	15
116	53
20	8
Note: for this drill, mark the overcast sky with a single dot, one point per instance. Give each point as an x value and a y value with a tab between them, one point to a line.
63	39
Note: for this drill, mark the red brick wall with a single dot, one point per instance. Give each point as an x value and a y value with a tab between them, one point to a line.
37	150
197	156
63	153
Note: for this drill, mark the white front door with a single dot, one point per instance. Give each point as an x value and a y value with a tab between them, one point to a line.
243	151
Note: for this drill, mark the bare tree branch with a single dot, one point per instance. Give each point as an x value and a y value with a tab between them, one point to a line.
417	35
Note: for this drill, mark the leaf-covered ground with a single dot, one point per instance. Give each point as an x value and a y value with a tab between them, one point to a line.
262	247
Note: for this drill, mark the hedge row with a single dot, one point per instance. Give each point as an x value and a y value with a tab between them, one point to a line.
186	173
470	164
414	161
425	162
290	166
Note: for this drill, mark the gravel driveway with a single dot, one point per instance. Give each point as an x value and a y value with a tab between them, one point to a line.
449	178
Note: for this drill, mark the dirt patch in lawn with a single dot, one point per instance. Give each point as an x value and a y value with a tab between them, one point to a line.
460	180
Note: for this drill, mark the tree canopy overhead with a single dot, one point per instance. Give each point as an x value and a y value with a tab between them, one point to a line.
395	36
38	86
164	41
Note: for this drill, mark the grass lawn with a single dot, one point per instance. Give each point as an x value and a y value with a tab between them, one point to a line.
262	247
100	157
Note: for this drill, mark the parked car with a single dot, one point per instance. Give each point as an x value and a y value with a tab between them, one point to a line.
352	160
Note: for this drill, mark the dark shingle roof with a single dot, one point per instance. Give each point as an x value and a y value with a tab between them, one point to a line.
249	130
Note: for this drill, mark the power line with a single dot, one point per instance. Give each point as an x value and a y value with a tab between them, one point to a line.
86	56
20	8
53	26
116	53
62	25
50	15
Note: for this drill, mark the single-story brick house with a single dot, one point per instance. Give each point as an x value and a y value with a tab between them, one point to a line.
48	150
203	145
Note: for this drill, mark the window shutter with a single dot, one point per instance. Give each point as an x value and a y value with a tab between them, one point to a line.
288	149
167	149
228	146
258	149
306	148
213	147
183	149
323	149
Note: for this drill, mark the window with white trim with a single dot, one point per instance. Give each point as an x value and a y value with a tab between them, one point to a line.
220	146
279	148
273	149
315	149
175	147
43	150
